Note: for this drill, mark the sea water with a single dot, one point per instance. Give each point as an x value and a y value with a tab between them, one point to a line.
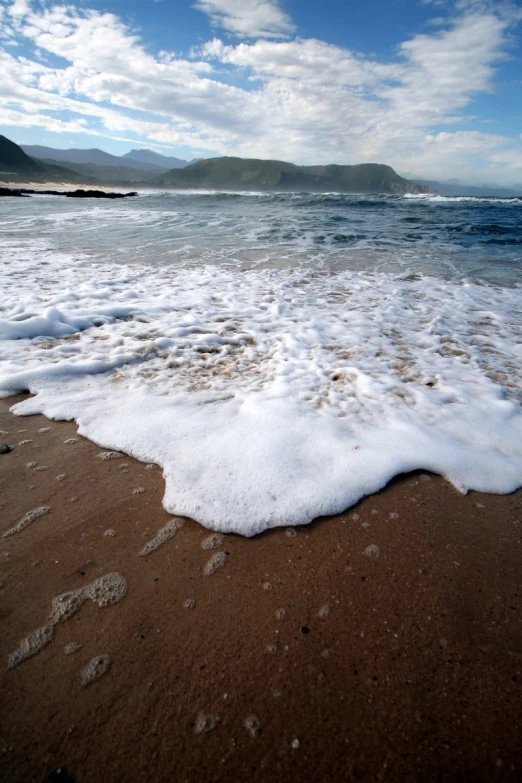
278	355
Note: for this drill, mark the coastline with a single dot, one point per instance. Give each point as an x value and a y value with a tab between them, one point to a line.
398	655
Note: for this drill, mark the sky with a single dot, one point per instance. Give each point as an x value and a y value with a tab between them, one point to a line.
430	87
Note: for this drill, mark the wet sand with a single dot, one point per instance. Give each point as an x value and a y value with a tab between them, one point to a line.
381	644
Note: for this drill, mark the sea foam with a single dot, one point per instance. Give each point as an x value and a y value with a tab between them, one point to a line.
271	396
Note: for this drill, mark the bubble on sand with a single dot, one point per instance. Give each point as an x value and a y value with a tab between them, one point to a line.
355	516
216	561
150	466
205	723
425	477
96	668
27	519
190	603
324	611
123	465
372	551
40	468
30	464
71	648
393	515
4	432
106	590
68	441
253	725
280	614
44	429
167	532
110	532
295	743
212	542
138	491
61	477
291	532
267	586
31	645
25	442
110	455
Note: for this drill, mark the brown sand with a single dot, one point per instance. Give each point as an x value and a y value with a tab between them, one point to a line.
405	666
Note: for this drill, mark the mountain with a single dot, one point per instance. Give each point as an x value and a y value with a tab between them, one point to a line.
479	191
164	162
113	175
16	165
252	174
145	160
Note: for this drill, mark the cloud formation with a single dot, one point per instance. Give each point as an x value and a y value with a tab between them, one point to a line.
303	100
248	18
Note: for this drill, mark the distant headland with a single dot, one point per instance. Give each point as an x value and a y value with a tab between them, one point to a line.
223	173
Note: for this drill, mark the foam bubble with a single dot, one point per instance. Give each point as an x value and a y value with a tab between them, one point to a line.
68	441
372	551
212	542
216	562
190	603
324	611
31	464
61	476
27	519
167	532
104	591
44	429
71	648
205	723
280	614
25	442
138	491
40	468
96	668
109	532
253	724
105	455
31	645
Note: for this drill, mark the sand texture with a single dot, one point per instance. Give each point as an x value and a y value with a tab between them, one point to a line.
381	644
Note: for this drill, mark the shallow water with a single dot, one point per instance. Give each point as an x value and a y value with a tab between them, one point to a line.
280	355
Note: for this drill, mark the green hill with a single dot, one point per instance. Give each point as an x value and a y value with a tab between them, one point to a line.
252	174
109	175
16	166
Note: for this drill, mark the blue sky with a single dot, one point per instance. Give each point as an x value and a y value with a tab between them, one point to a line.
431	87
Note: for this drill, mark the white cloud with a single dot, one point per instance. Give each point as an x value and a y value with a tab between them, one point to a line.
306	100
248	18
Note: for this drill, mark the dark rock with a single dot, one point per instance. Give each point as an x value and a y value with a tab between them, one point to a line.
5	448
17	192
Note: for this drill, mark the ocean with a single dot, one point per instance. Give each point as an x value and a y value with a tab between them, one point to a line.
278	355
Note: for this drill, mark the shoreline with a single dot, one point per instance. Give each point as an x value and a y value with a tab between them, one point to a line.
382	643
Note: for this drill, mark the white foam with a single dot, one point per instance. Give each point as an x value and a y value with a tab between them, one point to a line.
271	397
96	668
104	591
212	542
167	532
216	562
27	519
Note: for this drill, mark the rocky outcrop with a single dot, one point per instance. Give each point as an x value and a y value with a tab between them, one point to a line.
21	192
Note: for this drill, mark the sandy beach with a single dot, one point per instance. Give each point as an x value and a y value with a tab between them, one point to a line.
381	644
